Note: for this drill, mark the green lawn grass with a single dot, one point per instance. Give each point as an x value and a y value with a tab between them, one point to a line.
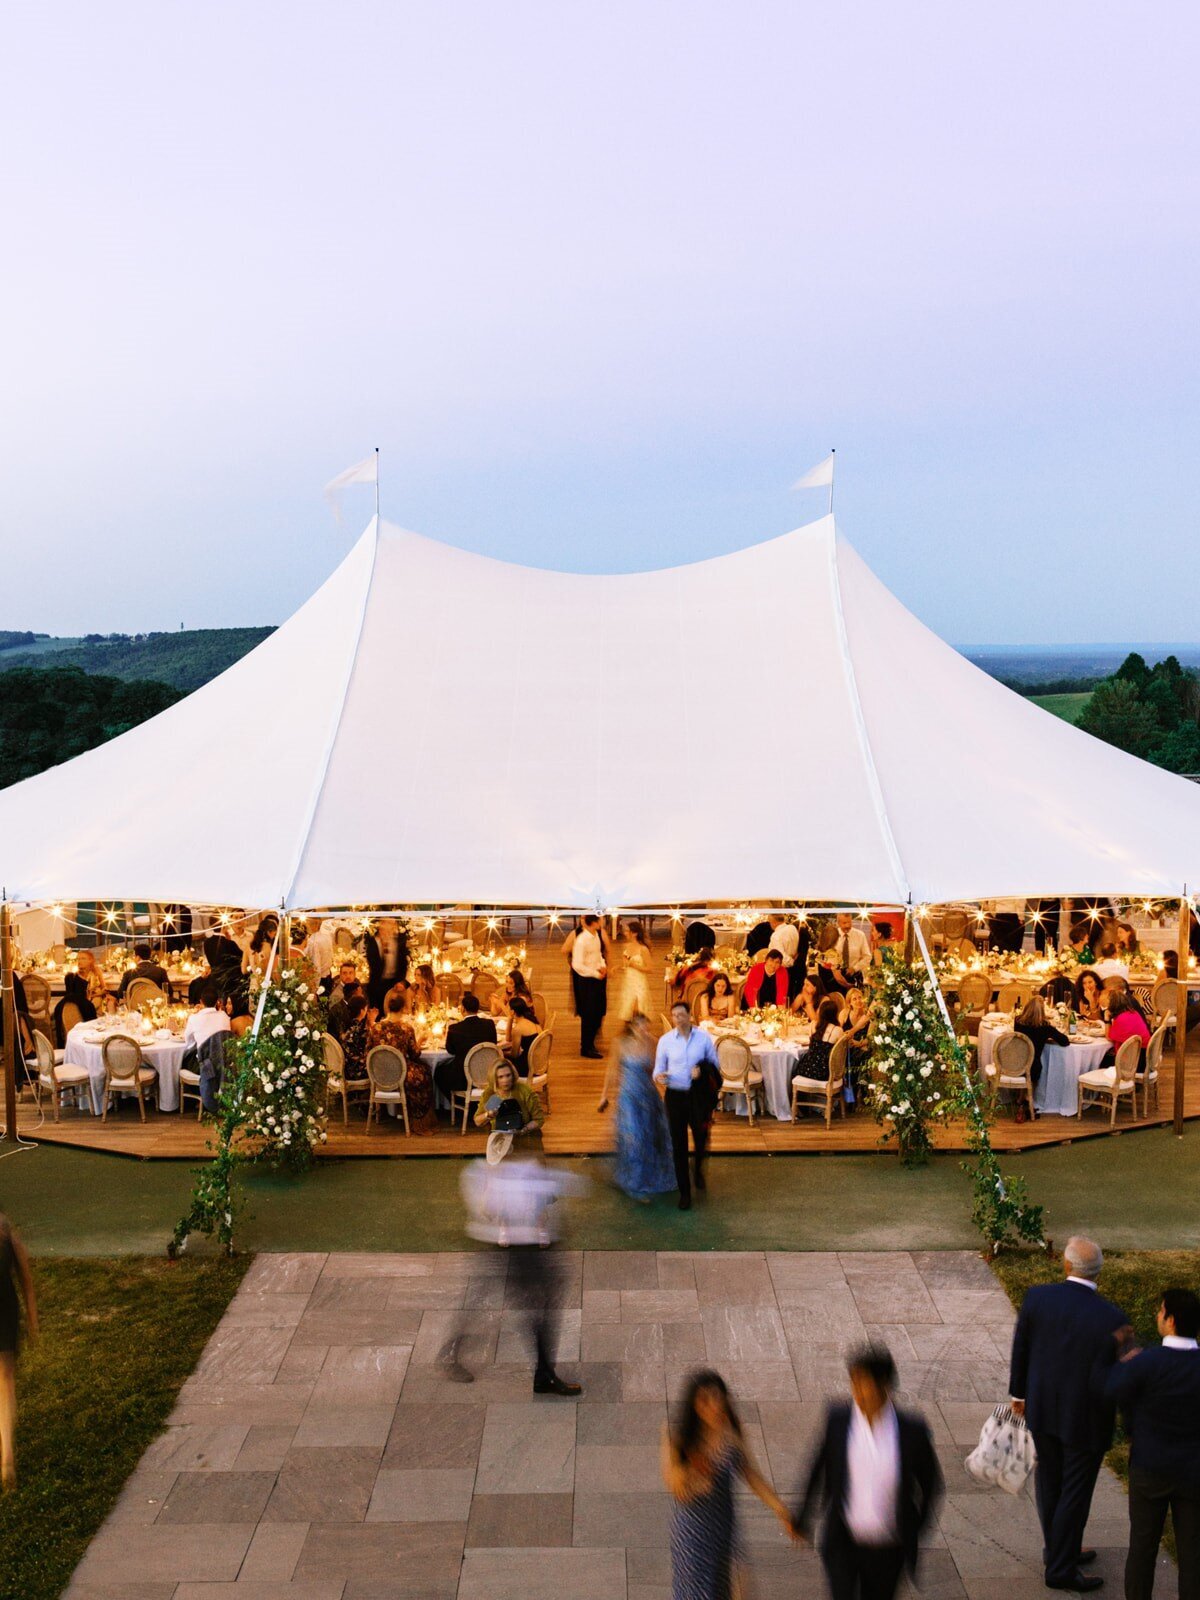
118	1339
1133	1280
1067	706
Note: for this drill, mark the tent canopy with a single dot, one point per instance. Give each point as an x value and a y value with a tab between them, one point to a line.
437	727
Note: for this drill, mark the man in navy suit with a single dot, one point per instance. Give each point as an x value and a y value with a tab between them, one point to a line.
1159	1393
877	1472
1062	1349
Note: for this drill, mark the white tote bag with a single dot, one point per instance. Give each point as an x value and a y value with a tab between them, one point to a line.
1004	1455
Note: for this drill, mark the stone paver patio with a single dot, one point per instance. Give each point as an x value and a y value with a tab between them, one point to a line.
318	1453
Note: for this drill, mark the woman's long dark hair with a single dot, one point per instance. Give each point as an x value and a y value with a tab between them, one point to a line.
719	977
520	986
828	1013
265	933
685	1435
1080	991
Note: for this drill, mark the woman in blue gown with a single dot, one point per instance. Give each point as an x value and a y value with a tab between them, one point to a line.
643	1165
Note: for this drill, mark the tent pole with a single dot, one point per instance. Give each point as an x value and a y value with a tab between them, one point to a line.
8	1001
909	935
1181	994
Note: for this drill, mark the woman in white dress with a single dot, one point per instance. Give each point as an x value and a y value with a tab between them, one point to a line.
635	997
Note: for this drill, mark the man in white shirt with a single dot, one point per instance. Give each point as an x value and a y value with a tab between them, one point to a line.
678	1063
590	978
785	937
851	955
210	1019
877	1471
320	946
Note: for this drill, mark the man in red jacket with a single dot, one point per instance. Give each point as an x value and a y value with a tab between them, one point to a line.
766	983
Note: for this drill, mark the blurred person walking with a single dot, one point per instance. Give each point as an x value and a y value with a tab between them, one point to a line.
14	1272
878	1474
686	1062
643	1165
702	1455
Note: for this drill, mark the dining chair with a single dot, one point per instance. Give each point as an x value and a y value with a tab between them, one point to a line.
539	1008
1147	1074
538	1069
735	1061
37	996
481	1061
125	1072
336	1081
386	1070
1113	1084
54	1074
819	1094
1010	1068
142	992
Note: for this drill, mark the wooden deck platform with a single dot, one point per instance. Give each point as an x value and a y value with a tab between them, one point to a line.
574	1127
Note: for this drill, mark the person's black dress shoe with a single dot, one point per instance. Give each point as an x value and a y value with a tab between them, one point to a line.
1078	1583
556	1385
685	1203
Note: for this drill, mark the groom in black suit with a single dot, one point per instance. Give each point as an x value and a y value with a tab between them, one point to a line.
1062	1350
877	1472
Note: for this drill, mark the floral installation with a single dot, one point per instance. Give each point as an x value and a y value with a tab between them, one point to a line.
910	1090
725	958
270	1106
284	1071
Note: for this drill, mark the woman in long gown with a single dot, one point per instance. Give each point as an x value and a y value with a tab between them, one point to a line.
643	1165
635	996
701	1456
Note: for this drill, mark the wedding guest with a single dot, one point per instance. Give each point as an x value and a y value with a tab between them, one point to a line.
590	974
261	941
679	1063
766	983
785	937
1108	964
504	1084
1126	1021
699	968
636	961
339	1009
642	1166
147	968
759	937
523	1029
353	1036
1061	1350
97	988
698	936
210	1019
515	988
75	994
1089	996
814	1063
386	950
703	1456
1031	1021
1127	940
425	991
394	1029
461	1038
14	1275
321	948
877	1472
851	955
347	976
224	957
718	1003
856	1024
808	1000
400	992
1158	1391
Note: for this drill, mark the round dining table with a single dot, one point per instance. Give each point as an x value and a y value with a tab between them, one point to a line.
776	1059
1056	1093
85	1048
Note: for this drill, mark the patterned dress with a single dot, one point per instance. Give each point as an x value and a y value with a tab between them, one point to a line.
418	1080
704	1535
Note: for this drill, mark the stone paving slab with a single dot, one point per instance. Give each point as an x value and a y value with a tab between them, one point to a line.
319	1453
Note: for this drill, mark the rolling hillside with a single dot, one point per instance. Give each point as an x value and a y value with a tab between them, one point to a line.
183	660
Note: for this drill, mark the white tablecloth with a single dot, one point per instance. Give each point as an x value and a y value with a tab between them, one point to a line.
777	1063
1057	1091
83	1049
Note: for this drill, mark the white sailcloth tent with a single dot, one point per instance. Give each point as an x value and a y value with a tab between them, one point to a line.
436	727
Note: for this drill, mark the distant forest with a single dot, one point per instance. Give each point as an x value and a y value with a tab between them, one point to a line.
49	715
184	660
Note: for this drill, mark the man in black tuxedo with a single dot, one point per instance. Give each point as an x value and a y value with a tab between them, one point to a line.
877	1472
462	1037
1159	1392
386	951
1062	1349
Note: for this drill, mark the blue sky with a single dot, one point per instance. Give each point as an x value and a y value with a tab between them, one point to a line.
601	281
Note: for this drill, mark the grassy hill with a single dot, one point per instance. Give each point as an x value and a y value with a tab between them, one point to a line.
184	660
1067	706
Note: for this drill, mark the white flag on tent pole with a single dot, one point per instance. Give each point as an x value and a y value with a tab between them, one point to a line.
366	471
819	477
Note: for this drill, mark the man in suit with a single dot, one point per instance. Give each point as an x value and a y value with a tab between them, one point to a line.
462	1037
153	971
1159	1392
1062	1349
877	1472
386	951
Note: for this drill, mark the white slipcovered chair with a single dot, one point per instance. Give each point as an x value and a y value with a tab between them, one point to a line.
1110	1085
